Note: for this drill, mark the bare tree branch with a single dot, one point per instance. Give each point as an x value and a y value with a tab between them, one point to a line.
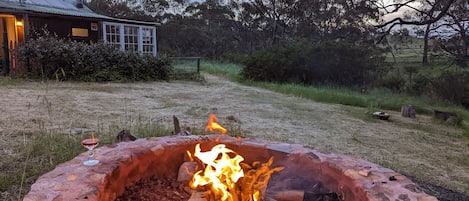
400	21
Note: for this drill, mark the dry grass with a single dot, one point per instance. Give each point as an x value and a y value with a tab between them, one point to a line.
35	114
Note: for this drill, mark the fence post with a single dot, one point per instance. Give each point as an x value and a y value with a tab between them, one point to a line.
6	53
198	65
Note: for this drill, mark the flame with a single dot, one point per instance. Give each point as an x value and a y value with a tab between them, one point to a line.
92	137
255	196
225	177
221	174
213	125
190	156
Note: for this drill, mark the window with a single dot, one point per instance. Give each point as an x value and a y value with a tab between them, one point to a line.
112	35
133	38
147	41
79	32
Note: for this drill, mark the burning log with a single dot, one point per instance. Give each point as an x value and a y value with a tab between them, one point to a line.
198	196
187	170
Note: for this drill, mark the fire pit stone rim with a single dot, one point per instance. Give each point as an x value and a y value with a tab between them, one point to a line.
70	180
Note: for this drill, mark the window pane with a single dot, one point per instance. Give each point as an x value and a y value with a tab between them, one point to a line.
131	38
147	41
113	35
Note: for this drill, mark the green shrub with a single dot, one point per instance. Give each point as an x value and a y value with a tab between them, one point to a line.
49	57
450	86
336	63
393	81
273	65
420	84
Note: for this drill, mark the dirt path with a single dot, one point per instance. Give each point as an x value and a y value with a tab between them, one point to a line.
416	147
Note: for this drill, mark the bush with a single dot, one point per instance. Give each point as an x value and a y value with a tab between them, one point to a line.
420	84
337	63
451	86
393	81
50	57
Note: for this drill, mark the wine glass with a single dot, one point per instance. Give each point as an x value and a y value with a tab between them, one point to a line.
90	144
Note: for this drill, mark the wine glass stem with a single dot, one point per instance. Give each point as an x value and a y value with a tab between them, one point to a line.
91	155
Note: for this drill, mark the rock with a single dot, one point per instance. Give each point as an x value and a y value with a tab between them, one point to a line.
365	171
125	136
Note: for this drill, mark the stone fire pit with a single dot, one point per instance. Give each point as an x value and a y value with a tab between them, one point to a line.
125	163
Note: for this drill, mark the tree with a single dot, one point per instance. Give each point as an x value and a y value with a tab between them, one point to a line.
419	13
427	11
284	20
457	22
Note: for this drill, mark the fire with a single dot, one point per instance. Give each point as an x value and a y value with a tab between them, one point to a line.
92	137
225	177
213	125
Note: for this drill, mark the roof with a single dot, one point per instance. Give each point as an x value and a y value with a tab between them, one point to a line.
59	7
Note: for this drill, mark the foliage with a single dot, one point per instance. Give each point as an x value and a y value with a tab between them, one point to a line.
229	70
451	86
337	63
215	29
49	57
393	81
375	98
38	155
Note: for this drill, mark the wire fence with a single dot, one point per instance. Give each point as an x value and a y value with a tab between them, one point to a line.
185	67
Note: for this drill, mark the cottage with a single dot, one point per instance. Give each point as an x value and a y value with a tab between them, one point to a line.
72	19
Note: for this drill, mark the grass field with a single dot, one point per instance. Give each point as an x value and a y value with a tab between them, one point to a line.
375	98
379	100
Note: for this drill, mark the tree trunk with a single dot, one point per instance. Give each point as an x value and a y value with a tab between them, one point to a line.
425	45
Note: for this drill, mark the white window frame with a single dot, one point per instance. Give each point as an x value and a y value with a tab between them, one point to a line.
140	36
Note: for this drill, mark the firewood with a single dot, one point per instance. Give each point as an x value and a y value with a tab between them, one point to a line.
177	128
186	171
197	196
298	195
288	195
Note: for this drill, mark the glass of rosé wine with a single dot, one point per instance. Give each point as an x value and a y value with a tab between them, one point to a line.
90	144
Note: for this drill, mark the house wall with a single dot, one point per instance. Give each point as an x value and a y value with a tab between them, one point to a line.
63	27
7	40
